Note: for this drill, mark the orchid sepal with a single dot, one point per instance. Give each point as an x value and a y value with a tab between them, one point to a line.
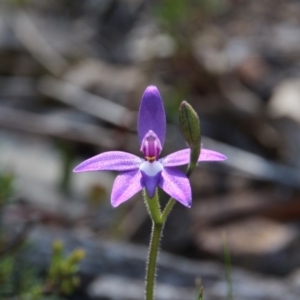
152	115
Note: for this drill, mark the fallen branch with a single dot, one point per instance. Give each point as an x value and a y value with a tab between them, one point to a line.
57	127
87	102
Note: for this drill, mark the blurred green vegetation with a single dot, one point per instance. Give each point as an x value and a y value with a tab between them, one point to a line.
6	188
177	16
199	288
227	261
21	280
62	275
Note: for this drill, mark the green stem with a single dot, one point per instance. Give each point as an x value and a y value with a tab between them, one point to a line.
156	233
167	210
153	207
227	267
158	221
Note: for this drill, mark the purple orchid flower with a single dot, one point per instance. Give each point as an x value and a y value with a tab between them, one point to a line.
151	171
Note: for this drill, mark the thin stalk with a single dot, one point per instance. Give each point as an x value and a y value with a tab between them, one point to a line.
227	267
158	220
153	207
167	210
156	233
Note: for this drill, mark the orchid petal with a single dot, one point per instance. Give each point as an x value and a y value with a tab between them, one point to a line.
176	184
150	183
112	160
152	115
125	186
210	155
182	157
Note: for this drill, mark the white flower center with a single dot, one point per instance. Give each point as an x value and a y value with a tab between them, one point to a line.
151	168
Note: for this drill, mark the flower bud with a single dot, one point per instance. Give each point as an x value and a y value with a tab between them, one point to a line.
189	123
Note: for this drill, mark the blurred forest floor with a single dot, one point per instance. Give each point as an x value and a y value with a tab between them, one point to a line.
71	77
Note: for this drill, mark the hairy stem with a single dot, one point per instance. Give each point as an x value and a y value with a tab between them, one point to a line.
153	207
158	221
167	210
156	233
